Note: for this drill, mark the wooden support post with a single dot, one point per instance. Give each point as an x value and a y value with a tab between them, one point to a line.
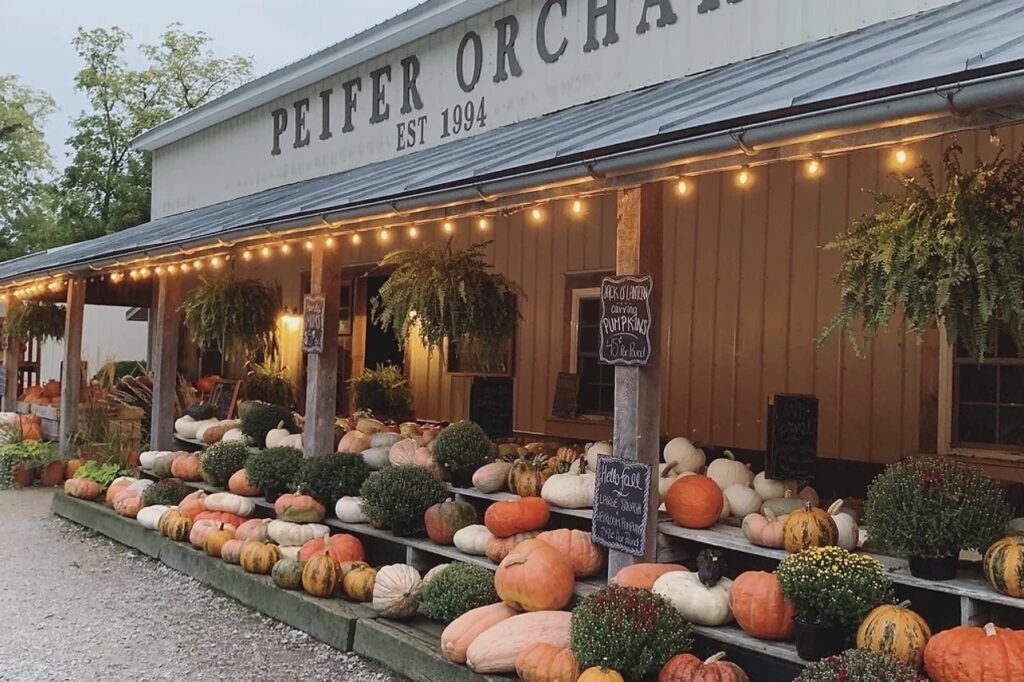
165	326
71	381
13	350
638	389
322	368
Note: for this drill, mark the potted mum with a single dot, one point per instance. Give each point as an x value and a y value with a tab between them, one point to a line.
931	508
832	590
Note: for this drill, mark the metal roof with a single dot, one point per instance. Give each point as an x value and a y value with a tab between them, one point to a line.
942	45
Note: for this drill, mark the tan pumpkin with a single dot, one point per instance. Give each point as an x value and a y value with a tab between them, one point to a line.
193	504
895	631
847	528
760	608
764	530
239	484
175	525
259	557
497	549
600	674
643	576
396	591
496	649
542	662
462	631
492	478
809	527
116	488
299	509
82	488
187	468
287	573
535	577
231	551
253	529
358	583
473	540
586	557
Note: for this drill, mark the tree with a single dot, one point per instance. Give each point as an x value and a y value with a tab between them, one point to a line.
25	164
106	187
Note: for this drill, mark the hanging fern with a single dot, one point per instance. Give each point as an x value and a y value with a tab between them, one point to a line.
952	254
236	316
448	294
35	320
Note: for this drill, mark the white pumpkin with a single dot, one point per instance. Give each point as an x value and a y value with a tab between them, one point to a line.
697	602
726	471
288	534
160	464
203	425
433	573
684	454
140	485
385	439
350	510
289	552
669	475
742	500
1016	526
292	441
595	450
377	458
186	427
396	592
235	435
767	488
150	516
726	511
811	495
473	539
146	458
849	530
275	436
231	503
570	491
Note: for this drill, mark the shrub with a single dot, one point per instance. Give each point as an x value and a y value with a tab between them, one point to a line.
456	590
629	630
221	460
855	665
169	491
398	497
383	391
257	419
462	447
269	383
831	586
104	474
330	477
935	507
273	470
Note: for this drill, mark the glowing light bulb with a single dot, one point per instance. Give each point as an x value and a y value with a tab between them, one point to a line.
247	255
265	252
216	262
414	232
902	157
813	167
329	242
286	248
309	245
133	274
577	207
197	265
448	227
537	215
185	268
159	271
356	239
743	178
682	188
385	235
172	269
483	224
116	277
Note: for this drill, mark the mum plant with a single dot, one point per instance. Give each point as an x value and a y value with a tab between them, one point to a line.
832	587
221	460
397	498
952	253
855	665
273	470
328	478
383	391
462	447
236	316
457	589
934	507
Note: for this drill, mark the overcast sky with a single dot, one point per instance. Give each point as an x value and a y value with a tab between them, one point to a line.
35	36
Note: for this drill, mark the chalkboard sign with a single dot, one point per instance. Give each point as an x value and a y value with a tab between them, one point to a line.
621	505
792	437
224	397
567	396
626	321
313	307
491	402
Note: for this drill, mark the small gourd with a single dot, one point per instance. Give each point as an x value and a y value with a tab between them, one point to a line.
473	539
809	527
684	455
276	435
846	526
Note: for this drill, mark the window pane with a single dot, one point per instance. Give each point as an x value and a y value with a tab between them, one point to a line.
1011	425
589	371
1007	346
977	383
590	311
1011	384
976	424
589	339
607	400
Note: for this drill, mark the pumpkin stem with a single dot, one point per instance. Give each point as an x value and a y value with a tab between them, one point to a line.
716	658
669	469
514	559
728	455
836	506
990	630
807	506
903	605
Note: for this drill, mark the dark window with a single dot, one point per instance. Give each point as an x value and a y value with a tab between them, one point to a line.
989	396
597	381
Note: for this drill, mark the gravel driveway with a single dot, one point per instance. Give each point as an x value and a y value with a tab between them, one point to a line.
76	606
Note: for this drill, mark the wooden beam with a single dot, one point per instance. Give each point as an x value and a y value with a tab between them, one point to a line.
322	368
71	381
165	329
638	389
13	350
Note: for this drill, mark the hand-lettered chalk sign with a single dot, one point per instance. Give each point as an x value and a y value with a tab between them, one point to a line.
625	329
313	307
792	437
621	504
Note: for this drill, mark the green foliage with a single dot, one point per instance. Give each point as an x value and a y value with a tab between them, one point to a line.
445	294
935	507
273	469
35	320
328	478
953	254
104	474
831	586
169	491
629	630
221	460
855	665
462	447
383	391
35	453
257	419
237	316
112	372
457	589
399	496
268	382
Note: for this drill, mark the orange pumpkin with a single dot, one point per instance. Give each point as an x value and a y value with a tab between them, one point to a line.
187	468
543	662
342	548
234	520
321	575
299	509
535	577
259	557
760	608
51	389
498	548
216	539
505	519
643	576
193	504
81	488
586	557
72	467
128	503
695	502
966	654
254	529
239	484
689	668
116	488
31	426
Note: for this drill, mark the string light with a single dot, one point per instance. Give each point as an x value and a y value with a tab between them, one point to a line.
172	269
413	232
185	268
265	252
356	239
247	255
994	139
133	274
309	245
743	177
216	262
577	207
483	224
448	227
197	265
330	242
537	215
813	167
385	235
286	248
682	187
116	277
159	271
901	157
144	273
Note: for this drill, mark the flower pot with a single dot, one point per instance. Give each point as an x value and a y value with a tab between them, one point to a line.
52	474
271	493
462	479
934	568
815	642
24	472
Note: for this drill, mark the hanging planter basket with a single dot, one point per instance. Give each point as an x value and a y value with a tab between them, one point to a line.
236	316
35	320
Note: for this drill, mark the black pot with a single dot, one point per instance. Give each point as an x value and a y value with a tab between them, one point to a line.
815	642
271	493
462	479
931	568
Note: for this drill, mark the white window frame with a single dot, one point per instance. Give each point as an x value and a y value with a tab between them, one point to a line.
574	346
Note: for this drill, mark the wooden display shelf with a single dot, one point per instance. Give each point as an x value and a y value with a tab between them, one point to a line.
504	496
733	636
